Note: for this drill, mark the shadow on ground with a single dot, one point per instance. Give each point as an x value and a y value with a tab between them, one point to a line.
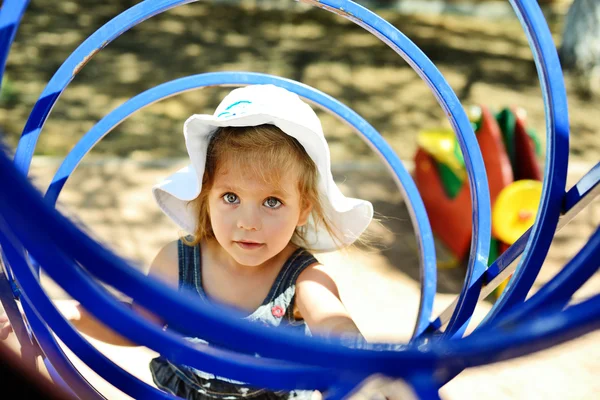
484	61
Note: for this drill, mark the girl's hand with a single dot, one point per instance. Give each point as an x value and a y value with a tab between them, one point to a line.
68	308
5	327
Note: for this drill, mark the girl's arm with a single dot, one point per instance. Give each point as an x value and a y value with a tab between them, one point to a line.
82	320
87	324
164	266
318	300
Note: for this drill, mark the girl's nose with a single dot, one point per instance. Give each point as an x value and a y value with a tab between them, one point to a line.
249	219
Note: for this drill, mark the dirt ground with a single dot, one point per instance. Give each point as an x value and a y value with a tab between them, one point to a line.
485	61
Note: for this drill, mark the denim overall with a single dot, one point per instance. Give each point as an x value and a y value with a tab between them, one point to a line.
276	310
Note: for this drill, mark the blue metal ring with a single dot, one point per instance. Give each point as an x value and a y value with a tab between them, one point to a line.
266	372
437	357
367	132
366	19
37	305
542	232
557	157
557	292
11	14
557	152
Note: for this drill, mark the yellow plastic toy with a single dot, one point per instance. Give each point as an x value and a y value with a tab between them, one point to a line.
442	145
515	209
514	212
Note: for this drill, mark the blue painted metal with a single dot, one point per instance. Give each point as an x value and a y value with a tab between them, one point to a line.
480	197
260	371
10	17
67	371
499	265
439	357
57	379
11	14
581	194
29	349
367	132
472	350
539	237
548	329
366	19
557	156
60	245
56	238
585	185
553	296
39	305
557	292
74	63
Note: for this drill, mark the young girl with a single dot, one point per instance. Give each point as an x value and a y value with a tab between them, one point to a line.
258	197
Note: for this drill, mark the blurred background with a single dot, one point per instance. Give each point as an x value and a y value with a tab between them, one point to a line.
480	48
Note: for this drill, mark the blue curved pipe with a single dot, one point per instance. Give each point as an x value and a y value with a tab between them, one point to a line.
374	24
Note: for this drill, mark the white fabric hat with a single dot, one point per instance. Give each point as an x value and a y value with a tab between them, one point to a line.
252	106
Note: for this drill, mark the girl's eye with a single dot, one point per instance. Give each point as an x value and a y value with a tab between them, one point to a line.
272	202
230	198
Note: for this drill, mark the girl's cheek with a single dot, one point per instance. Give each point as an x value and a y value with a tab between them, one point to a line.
227	215
278	218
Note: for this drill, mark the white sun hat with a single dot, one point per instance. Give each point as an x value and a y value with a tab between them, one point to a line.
252	106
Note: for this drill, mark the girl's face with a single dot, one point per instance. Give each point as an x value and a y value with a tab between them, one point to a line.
251	219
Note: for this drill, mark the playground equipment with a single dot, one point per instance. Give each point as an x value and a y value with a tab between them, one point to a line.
509	153
437	352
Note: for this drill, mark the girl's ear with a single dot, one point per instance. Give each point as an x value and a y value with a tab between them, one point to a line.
304	214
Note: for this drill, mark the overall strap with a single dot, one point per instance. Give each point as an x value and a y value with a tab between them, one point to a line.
293	267
190	269
278	305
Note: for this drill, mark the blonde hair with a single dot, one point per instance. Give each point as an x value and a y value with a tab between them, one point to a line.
268	152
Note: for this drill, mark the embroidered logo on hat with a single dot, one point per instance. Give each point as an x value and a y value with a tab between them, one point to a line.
239	106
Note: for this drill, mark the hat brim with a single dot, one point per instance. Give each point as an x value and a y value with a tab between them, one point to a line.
347	216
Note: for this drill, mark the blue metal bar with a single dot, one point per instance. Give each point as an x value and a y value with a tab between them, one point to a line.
546	330
29	350
54	233
536	241
366	131
40	305
104	36
557	154
212	322
374	24
553	296
77	384
442	356
557	292
11	14
581	194
589	182
447	99
259	371
74	63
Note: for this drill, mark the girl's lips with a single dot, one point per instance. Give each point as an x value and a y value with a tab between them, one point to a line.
249	245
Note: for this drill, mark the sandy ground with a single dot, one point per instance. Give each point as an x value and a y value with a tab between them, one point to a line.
380	286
